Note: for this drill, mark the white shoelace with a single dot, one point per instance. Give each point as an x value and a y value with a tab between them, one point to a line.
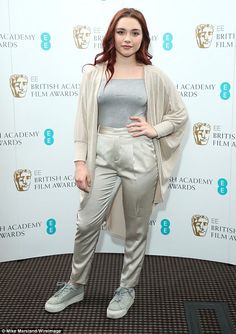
65	286
122	291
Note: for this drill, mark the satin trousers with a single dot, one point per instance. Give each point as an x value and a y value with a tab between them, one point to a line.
121	160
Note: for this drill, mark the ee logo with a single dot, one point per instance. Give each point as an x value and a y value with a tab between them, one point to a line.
167	41
165	226
51	226
225	91
45	41
222	186
48	137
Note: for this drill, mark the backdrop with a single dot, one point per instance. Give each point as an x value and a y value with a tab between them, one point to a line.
43	46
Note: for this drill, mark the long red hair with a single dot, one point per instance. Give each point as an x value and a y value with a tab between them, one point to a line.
108	54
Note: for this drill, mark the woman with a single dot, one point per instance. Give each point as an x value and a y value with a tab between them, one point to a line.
128	130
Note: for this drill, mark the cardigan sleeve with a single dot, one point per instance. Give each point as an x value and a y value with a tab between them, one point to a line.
174	110
164	129
80	127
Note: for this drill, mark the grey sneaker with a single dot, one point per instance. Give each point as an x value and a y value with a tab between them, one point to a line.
121	302
64	297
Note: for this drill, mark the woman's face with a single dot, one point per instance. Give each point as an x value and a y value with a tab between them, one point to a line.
128	36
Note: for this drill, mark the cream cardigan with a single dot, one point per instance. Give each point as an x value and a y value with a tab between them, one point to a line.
166	112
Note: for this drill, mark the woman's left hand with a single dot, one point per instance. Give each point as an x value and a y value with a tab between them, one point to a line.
141	128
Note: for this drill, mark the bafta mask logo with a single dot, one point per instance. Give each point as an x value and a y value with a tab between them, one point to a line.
204	35
18	84
201	133
200	225
82	36
22	179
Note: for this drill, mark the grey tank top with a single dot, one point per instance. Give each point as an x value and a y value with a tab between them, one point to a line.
121	99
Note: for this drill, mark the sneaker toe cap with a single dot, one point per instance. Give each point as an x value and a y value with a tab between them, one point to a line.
52	301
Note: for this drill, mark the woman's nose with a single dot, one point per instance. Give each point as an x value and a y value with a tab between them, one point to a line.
127	38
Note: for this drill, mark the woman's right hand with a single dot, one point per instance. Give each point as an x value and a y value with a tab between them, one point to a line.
82	176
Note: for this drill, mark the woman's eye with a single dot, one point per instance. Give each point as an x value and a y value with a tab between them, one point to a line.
120	32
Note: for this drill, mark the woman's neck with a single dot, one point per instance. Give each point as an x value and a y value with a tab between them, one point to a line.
125	61
126	68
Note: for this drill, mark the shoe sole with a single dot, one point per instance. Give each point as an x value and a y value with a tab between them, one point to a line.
60	307
118	314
